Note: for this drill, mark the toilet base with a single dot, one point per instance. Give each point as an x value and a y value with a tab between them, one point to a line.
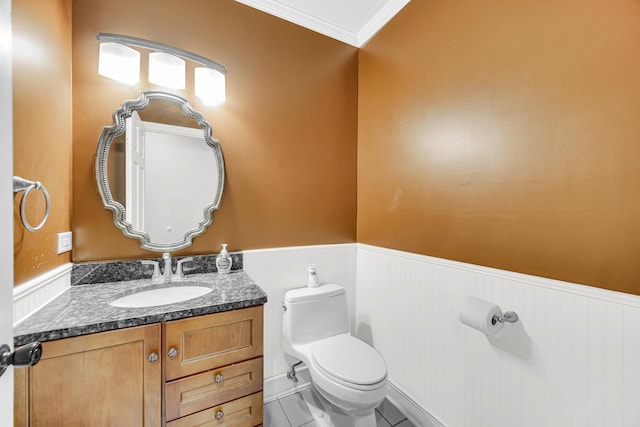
325	414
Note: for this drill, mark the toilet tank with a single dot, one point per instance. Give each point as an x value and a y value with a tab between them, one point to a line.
312	314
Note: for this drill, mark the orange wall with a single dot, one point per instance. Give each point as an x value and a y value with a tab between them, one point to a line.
506	134
288	129
498	134
42	129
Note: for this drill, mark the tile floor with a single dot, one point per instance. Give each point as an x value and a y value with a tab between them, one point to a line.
292	411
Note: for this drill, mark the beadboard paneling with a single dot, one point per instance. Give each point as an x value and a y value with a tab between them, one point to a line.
571	360
30	296
277	270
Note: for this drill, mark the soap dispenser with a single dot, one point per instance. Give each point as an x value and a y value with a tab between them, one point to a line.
224	260
312	277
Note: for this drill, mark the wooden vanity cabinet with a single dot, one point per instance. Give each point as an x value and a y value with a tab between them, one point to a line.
213	369
210	367
109	379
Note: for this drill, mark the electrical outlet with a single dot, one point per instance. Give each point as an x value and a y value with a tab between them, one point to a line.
64	242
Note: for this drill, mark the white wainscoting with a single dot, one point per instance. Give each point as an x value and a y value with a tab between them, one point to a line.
280	269
30	296
573	359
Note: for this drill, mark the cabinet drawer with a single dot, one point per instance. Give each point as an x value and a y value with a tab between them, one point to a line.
244	412
211	388
202	343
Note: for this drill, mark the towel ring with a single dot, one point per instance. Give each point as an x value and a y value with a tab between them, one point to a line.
21	184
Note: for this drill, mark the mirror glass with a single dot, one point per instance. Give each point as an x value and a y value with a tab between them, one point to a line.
160	171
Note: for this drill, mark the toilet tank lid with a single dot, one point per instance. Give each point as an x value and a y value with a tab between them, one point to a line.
311	294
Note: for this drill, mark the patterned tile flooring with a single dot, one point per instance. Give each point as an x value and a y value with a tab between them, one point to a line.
293	411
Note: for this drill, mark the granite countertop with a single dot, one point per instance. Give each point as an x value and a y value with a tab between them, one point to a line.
85	309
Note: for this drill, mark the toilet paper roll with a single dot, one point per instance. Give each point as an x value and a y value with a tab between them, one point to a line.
478	314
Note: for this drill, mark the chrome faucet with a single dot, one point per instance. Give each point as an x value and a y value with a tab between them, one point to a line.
167	275
167	267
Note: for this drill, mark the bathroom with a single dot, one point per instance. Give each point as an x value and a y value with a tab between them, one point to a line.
469	148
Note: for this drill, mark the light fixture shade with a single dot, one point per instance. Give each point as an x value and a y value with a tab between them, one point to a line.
210	86
166	70
119	62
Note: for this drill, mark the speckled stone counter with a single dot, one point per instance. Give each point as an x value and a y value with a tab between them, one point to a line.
85	309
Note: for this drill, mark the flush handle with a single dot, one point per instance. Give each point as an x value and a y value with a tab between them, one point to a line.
27	355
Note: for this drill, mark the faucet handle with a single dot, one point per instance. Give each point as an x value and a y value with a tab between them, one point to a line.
156	267
179	263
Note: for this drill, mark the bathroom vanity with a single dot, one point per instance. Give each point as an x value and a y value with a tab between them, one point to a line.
185	351
182	364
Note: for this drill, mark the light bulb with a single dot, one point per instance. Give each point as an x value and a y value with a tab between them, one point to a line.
119	62
166	70
210	86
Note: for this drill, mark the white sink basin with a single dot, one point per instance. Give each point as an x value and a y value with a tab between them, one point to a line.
161	296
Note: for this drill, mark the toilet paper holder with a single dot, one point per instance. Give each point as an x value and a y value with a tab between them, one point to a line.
509	316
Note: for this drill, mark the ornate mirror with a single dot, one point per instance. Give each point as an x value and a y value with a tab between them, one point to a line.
160	171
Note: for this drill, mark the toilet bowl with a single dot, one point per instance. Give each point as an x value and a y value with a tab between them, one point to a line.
347	372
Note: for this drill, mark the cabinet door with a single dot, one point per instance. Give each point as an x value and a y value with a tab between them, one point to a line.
207	342
102	379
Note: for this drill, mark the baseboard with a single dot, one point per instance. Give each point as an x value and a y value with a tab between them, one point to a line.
281	386
414	412
32	295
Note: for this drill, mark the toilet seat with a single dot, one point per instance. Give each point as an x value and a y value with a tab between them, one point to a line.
349	361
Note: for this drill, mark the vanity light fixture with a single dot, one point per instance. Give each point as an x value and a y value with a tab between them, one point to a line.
166	66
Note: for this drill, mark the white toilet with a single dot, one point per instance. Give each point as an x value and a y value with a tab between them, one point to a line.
347	372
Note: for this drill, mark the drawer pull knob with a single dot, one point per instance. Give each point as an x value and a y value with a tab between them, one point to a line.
153	357
218	378
219	415
173	352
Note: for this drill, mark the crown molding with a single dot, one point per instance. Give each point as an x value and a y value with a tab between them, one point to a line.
322	26
379	20
303	19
